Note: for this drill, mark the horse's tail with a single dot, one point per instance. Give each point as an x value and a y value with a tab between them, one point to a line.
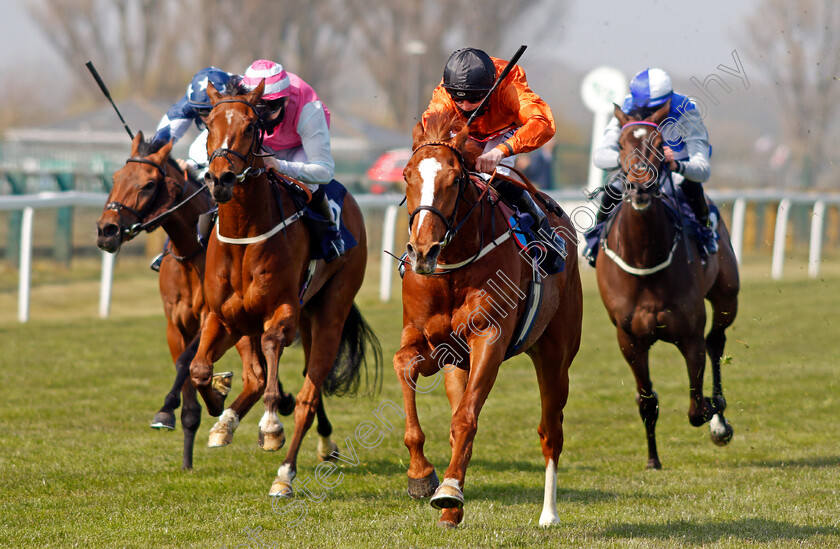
357	339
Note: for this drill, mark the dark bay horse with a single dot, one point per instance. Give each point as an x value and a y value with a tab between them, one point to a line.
653	284
255	283
151	191
463	299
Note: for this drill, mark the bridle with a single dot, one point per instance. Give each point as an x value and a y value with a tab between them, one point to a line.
135	229
642	165
462	181
253	152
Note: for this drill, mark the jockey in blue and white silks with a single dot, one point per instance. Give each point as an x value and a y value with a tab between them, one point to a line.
686	140
194	106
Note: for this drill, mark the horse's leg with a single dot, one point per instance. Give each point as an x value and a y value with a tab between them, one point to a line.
693	349
408	362
325	326
327	448
552	357
253	386
215	340
281	334
636	355
165	417
485	359
724	299
455	383
191	411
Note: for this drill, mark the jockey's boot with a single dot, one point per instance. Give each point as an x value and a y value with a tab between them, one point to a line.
693	192
522	200
320	205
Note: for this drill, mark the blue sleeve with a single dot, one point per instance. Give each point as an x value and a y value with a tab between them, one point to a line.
175	122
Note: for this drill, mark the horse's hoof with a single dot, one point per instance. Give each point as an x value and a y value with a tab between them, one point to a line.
220	435
446	524
548	519
221	383
273	441
327	450
654	465
448	495
419	488
281	489
720	430
287	404
163	420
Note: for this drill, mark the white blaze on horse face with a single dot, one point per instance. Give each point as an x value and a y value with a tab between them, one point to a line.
640	133
428	168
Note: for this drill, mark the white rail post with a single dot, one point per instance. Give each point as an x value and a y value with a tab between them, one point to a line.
389	226
816	239
779	239
739	210
105	284
25	273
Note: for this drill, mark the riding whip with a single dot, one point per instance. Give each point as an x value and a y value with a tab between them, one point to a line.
501	77
104	89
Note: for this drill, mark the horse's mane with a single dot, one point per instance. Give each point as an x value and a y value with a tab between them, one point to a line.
145	148
441	126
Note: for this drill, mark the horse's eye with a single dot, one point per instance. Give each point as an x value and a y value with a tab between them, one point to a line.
150	185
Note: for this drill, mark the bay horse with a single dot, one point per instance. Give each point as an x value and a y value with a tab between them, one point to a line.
653	284
255	283
454	313
148	192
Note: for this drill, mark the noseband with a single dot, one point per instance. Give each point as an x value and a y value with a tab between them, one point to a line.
253	152
461	180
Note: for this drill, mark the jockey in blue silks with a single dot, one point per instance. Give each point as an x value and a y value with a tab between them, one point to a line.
194	106
686	149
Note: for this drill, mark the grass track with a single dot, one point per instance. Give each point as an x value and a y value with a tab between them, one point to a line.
79	466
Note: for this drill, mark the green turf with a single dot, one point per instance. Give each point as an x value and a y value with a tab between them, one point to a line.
79	466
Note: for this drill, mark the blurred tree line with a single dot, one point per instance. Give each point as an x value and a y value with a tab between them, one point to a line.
151	48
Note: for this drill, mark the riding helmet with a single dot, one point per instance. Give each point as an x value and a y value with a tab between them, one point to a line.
276	79
197	90
651	88
469	73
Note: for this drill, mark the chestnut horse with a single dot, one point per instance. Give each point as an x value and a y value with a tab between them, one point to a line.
464	280
653	284
151	191
255	282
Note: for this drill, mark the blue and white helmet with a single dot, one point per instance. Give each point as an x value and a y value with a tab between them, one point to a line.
197	90
651	88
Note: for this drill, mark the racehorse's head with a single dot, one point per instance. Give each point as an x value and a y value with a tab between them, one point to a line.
139	192
640	154
234	140
435	176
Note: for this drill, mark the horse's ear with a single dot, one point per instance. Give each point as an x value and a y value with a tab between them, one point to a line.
619	114
417	135
461	138
135	143
256	94
213	93
163	153
661	113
